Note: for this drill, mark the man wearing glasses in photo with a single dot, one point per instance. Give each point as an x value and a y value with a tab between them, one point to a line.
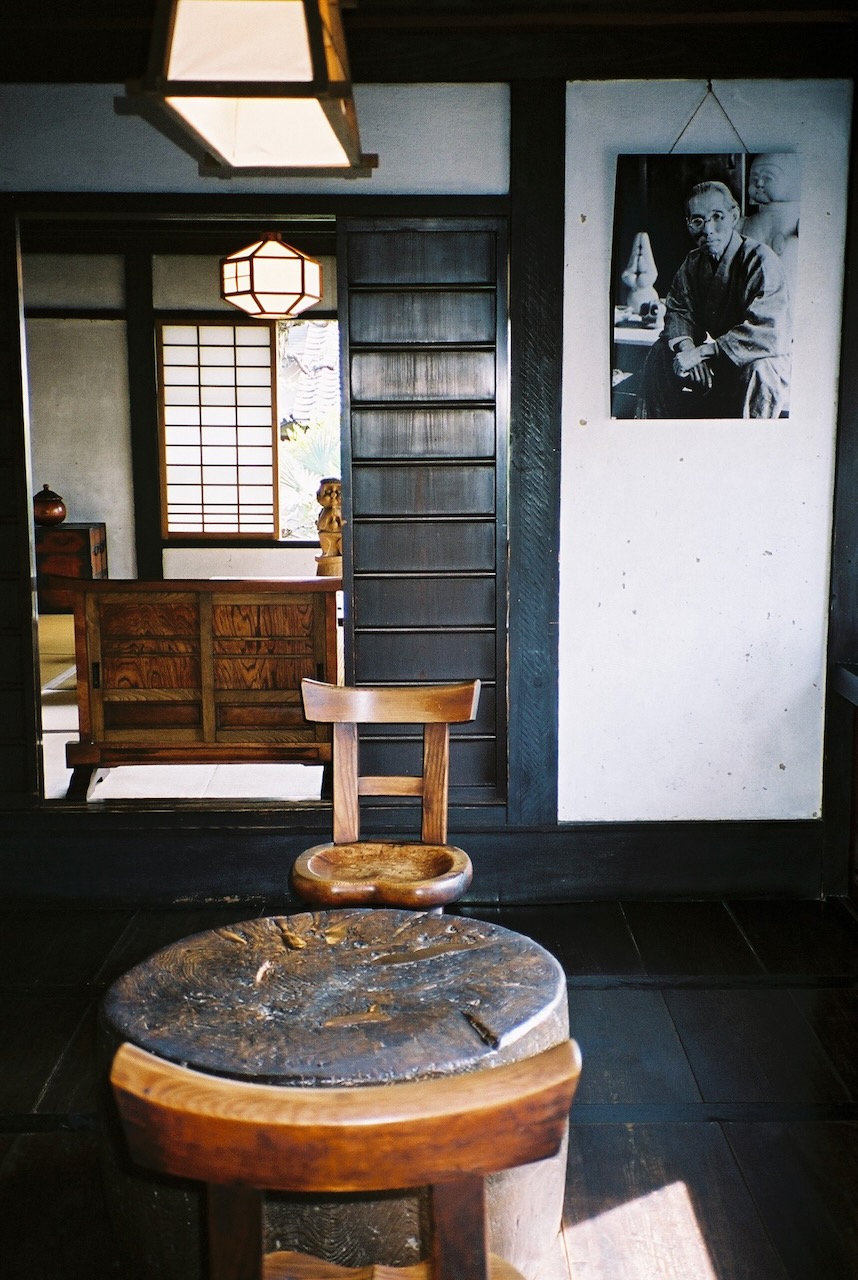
724	351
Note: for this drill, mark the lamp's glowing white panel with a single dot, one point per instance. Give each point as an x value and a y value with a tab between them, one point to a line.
239	40
254	132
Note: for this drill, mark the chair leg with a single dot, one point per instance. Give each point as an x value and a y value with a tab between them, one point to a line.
234	1233
459	1230
345	789
436	783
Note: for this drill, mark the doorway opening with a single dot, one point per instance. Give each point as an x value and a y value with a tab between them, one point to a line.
76	311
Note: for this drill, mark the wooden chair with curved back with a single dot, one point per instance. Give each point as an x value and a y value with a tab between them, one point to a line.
447	1133
351	872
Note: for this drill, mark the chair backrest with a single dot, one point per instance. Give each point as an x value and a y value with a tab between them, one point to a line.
448	1133
435	707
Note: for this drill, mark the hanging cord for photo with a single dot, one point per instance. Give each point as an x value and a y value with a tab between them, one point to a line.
710	93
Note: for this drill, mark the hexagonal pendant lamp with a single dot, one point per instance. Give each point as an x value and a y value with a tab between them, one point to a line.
270	280
253	87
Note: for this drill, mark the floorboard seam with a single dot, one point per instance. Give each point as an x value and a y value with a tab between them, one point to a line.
714	1112
707	982
49	1122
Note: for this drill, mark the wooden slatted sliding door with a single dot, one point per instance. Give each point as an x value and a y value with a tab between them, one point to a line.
425	374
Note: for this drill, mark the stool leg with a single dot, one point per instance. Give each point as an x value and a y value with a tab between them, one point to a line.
459	1230
234	1233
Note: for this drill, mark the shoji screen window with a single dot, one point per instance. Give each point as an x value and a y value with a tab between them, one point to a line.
218	430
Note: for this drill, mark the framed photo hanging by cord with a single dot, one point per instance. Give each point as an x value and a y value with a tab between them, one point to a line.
703	285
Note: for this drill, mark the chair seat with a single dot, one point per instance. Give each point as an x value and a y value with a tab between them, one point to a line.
288	1265
387	873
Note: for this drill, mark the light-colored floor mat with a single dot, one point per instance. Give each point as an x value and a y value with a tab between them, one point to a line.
209	781
56	651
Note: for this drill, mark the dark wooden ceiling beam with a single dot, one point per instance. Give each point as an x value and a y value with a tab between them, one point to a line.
605	53
98	41
597	16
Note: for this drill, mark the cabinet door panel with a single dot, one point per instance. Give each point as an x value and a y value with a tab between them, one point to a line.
262	673
404	657
414	602
63	541
256	715
125	617
417	256
252	619
422	375
414	546
389	491
422	317
150	672
443	431
61	564
152	715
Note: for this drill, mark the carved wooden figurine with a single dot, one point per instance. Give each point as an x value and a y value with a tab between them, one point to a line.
330	527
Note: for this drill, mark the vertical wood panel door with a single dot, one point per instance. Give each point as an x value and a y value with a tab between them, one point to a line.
425	369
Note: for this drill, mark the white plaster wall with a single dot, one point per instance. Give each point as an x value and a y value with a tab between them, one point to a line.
695	555
79	426
79	280
430	138
240	562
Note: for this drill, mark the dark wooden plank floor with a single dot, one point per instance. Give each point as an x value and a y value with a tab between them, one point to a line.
714	1135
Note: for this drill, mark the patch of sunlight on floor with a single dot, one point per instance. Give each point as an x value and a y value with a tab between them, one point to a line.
274	782
655	1237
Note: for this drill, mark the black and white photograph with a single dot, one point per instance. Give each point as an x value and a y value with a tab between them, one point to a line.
703	285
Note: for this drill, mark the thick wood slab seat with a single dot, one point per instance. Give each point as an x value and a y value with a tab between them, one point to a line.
408	874
375	873
448	1133
343	997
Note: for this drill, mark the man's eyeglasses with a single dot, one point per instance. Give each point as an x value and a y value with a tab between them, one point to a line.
697	223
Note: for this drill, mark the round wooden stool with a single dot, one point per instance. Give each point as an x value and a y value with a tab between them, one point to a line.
329	998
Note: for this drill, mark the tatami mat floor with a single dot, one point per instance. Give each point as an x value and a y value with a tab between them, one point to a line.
714	1135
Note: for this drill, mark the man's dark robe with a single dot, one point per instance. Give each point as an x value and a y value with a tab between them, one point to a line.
741	301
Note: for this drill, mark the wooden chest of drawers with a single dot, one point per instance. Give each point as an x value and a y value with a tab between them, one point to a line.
68	551
200	671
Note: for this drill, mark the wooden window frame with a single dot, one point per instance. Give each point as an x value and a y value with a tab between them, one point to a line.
172	535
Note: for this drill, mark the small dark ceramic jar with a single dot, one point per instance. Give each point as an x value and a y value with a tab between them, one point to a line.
48	507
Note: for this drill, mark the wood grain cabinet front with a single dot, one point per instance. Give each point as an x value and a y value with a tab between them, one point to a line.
200	672
76	551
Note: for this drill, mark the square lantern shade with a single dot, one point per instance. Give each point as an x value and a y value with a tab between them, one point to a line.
253	86
270	280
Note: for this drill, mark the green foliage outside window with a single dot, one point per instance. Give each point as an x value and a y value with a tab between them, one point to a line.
308	398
